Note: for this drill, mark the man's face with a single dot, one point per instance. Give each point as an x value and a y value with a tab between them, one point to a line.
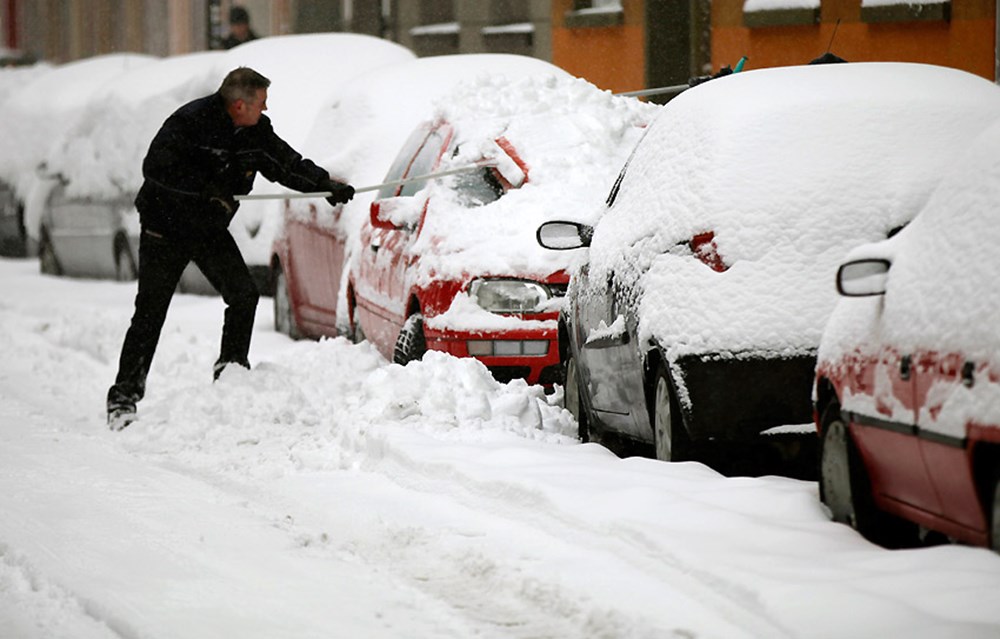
247	113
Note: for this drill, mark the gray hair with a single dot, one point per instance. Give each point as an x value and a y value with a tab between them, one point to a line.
242	84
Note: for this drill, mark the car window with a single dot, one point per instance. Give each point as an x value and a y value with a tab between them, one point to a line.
424	162
479	187
402	162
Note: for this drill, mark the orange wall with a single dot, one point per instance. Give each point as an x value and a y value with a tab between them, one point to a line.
613	58
965	42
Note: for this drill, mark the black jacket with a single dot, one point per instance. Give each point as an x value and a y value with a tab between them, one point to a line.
198	154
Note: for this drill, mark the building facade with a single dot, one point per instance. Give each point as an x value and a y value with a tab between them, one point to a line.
619	45
955	33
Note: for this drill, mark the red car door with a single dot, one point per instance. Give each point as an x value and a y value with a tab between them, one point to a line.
886	435
943	437
316	259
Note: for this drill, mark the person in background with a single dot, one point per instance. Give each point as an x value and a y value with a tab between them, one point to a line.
239	28
207	152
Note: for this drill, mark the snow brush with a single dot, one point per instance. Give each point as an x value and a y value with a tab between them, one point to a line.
374	187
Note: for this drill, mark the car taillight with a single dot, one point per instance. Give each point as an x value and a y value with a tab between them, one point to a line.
703	247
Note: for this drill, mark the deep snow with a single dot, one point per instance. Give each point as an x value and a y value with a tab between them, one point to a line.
330	493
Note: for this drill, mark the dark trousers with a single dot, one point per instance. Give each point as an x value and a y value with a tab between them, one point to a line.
162	260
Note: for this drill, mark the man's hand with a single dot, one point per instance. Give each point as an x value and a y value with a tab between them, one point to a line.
341	193
224	205
221	203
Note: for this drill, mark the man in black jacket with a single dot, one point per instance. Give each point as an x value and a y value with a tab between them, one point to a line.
206	152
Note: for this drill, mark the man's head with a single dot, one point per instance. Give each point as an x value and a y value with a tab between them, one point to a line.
244	92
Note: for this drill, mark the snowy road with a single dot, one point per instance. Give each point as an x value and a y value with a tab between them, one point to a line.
327	493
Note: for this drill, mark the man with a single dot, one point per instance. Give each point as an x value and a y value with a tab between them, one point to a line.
239	28
207	152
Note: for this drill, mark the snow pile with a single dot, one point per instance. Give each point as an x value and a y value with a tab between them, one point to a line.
14	79
39	114
573	139
277	420
789	168
101	151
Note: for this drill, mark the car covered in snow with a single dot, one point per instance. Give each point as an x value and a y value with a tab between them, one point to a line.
708	282
33	120
364	127
88	224
87	237
451	264
13	237
908	373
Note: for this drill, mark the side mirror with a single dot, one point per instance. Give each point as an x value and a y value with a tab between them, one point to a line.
402	212
561	236
376	219
861	278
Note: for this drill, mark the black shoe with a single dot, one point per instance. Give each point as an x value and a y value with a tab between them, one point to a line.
120	417
220	366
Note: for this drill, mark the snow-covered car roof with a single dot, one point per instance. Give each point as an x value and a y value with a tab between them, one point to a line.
35	118
101	151
573	138
790	168
306	69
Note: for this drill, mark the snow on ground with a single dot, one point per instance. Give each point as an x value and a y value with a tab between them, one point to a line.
330	493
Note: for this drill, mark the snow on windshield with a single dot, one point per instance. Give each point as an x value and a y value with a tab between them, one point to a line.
572	136
789	168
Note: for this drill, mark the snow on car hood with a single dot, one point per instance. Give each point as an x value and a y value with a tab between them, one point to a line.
572	136
789	168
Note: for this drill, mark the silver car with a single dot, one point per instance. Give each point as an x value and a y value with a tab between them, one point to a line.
13	239
97	238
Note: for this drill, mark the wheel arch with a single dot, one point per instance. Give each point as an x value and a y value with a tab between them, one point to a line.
986	472
826	394
655	359
413	306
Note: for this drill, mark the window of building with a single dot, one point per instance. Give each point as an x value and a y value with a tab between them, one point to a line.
438	32
595	13
776	13
904	10
510	29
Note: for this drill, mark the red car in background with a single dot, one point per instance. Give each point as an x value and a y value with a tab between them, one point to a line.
908	377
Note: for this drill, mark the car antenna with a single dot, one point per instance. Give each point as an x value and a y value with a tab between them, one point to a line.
835	28
828	57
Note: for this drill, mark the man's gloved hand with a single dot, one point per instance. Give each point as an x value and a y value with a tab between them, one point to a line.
221	203
341	193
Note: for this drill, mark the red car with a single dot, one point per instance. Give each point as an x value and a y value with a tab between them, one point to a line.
452	264
404	314
908	378
365	124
